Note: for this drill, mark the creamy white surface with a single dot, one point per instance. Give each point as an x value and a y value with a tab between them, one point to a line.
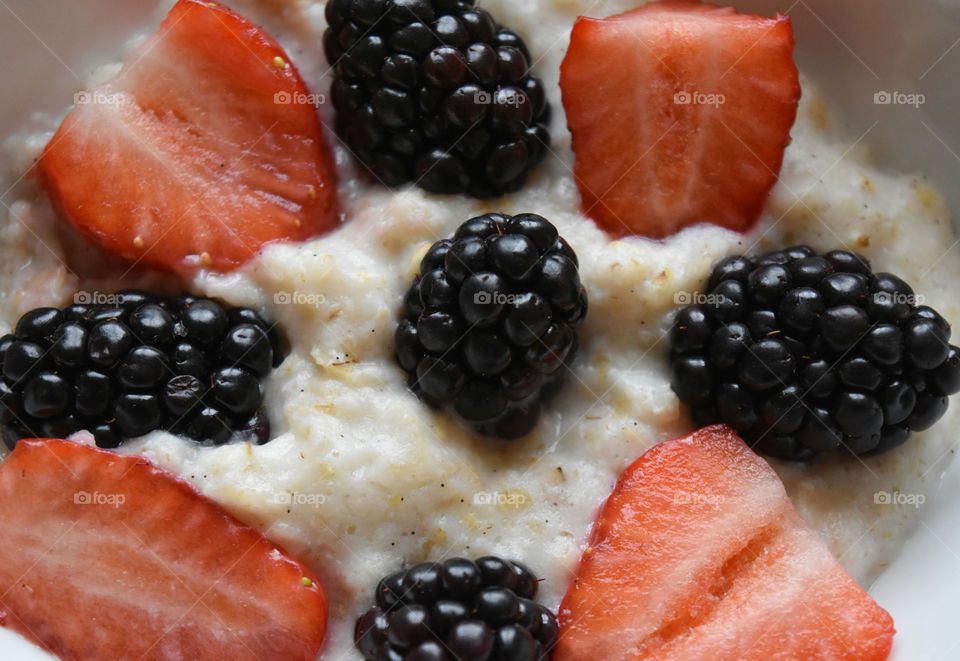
383	480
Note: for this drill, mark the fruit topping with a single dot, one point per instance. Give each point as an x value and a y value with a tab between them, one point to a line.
698	554
680	113
108	557
490	323
435	92
803	352
200	151
135	364
458	610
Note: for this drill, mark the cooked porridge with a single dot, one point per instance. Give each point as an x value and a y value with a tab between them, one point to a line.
362	478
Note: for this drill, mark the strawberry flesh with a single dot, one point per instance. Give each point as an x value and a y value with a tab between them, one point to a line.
108	557
201	150
680	113
699	555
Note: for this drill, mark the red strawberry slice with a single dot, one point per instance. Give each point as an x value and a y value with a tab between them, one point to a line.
699	555
680	112
203	148
107	557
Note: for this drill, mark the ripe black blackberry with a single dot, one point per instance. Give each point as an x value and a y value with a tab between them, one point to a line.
490	324
458	609
436	92
804	352
140	363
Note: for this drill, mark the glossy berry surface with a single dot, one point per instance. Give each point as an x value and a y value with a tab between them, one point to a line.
458	610
143	362
804	353
489	327
435	92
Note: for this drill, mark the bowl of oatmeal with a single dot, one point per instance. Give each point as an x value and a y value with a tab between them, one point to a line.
358	489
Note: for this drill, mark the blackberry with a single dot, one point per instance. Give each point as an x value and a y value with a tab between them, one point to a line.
804	353
458	609
186	364
490	324
435	92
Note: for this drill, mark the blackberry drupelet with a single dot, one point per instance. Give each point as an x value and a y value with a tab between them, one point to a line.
435	92
490	324
804	353
184	364
458	610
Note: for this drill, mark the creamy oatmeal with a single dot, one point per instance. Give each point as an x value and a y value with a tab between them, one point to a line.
362	478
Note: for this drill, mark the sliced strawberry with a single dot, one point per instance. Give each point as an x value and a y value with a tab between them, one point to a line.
107	557
699	555
680	112
203	148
